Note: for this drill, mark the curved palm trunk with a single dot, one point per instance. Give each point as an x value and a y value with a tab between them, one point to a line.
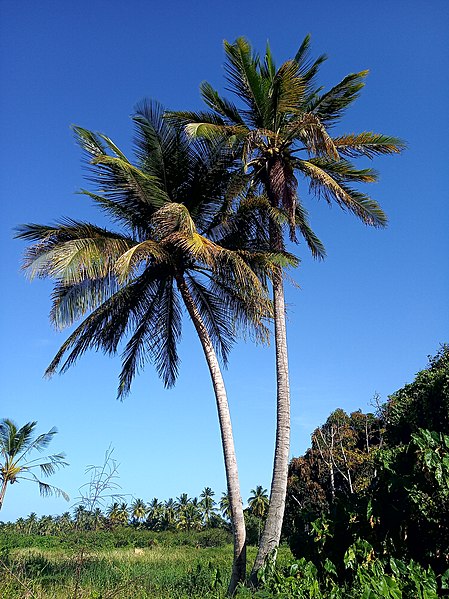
272	531
232	478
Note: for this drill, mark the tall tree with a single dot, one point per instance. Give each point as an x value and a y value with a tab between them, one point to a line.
134	281
281	126
138	510
16	445
207	504
258	502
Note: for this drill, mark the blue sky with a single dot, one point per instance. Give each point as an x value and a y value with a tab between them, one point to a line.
362	322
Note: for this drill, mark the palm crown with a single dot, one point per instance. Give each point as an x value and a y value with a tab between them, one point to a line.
16	445
166	207
282	131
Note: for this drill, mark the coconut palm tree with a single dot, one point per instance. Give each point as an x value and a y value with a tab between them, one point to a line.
134	281
16	445
138	510
224	504
258	502
281	126
207	504
169	515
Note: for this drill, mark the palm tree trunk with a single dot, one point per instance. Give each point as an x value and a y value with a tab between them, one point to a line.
272	531
232	478
2	492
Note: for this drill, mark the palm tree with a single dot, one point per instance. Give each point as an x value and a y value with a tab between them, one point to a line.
138	510
154	513
123	514
112	514
258	505
258	502
30	522
133	281
282	131
225	505
169	514
207	504
16	445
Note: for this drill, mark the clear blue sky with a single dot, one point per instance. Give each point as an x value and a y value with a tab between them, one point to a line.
362	322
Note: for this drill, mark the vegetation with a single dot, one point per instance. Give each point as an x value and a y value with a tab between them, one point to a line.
16	445
281	129
367	516
374	489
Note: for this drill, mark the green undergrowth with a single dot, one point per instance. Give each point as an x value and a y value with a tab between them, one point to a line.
156	572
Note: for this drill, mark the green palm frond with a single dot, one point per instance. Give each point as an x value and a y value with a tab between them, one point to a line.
45	489
108	322
72	302
147	251
144	186
89	142
216	315
324	185
368	144
222	106
343	170
316	247
71	251
308	68
286	92
329	107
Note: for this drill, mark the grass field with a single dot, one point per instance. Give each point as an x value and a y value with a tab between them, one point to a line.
158	572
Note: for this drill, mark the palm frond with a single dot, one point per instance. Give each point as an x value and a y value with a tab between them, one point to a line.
343	170
368	144
313	134
71	251
244	80
145	186
329	107
146	251
45	489
222	106
307	69
315	245
107	324
215	314
323	184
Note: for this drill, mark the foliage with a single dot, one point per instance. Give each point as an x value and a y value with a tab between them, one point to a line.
394	494
16	445
422	404
368	577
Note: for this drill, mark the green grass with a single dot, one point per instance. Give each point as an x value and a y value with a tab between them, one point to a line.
158	572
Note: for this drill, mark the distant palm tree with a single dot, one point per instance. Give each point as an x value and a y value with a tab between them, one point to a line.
154	513
169	513
30	522
16	445
207	504
138	510
123	514
113	514
80	516
225	506
258	502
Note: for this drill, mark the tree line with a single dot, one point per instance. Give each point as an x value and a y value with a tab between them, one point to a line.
180	514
